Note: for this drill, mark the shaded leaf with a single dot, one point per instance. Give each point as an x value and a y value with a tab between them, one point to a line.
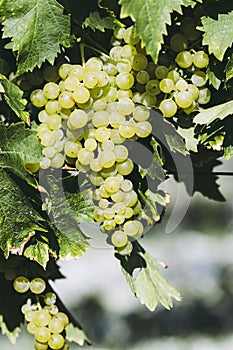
151	19
218	34
13	96
18	219
217	112
37	29
95	22
189	136
19	146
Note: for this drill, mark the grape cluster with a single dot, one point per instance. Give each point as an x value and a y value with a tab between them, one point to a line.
46	323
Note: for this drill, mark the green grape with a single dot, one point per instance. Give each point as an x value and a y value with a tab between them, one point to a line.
55	325
100	119
90	79
106	159
109	213
56	341
40	346
178	42
199	78
183	99
52	309
204	96
194	91
201	59
57	161
51	90
121	153
184	59
37	285
66	100
168	107
52	107
50	298
50	73
41	317
96	179
119	219
72	149
189	29
117	197
29	315
126	250
63	318
103	79
45	163
103	203
10	274
124	80
139	62
141	113
38	98
108	145
21	284
119	239
128	212
133	228
85	156
107	172
77	71
143	129
130	198
119	32
153	87
42	116
181	85
127	129
116	119
42	334
124	94
173	75
31	327
81	94
94	64
102	134
142	77
94	165
125	106
116	137
126	185
161	72
54	122
166	85
126	167
90	144
78	119
128	51
119	208
112	184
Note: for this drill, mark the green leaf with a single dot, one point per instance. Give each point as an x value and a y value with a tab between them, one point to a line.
77	335
38	252
11	335
95	22
229	68
151	201
228	152
18	219
217	112
213	79
19	146
189	136
66	213
13	96
151	19
218	34
148	285
37	29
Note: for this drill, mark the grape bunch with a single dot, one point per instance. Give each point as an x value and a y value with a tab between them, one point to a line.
46	322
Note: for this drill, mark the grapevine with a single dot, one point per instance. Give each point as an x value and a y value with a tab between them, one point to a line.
75	111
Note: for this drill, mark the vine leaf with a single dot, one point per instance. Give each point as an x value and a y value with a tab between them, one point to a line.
12	336
218	34
13	96
189	136
19	146
147	284
217	112
66	211
77	335
38	252
229	69
37	29
151	18
95	22
18	219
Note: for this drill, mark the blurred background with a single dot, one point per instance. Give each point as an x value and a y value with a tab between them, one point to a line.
199	253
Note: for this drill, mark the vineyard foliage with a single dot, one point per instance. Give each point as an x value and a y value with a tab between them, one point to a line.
170	65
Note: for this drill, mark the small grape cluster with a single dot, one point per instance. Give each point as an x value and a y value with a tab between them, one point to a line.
46	323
